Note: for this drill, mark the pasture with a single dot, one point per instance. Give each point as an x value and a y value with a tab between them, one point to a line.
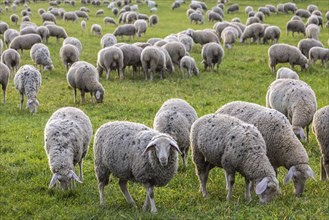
243	75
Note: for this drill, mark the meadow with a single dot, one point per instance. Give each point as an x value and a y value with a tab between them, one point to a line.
243	75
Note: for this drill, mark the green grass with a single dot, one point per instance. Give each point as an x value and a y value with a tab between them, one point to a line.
243	75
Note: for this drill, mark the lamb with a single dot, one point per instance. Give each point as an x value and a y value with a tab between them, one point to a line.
305	45
110	58
9	35
229	36
175	118
286	73
131	57
141	27
14	18
40	55
75	42
125	30
11	59
295	26
321	131
96	29
176	51
67	136
296	100
71	16
313	31
4	79
69	54
212	54
25	42
84	76
153	20
282	146
202	36
272	33
254	31
108	40
233	8
43	31
57	31
189	64
153	59
47	16
83	25
319	53
196	17
109	20
227	142
27	81
144	155
283	53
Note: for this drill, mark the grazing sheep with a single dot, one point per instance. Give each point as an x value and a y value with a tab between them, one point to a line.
212	54
75	42
254	31
47	16
110	58
57	31
3	27
321	131
295	26
145	156
260	16
71	16
305	45
189	64
196	17
14	18
202	36
272	8
313	19
187	41
312	31
69	54
284	53
264	10
96	29
227	142
214	16
233	8
40	55
9	35
319	53
141	27
82	14
131	57
296	100
11	59
248	9
153	59
125	30
25	42
83	25
27	81
272	33
108	40
286	73
176	51
43	31
282	146
220	26
99	12
4	79
84	76
109	20
252	20
67	136
175	118
153	20
289	7
303	13
29	30
312	8
229	36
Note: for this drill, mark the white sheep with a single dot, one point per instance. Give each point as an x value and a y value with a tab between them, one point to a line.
219	140
75	42
27	81
84	76
67	136
272	33
4	79
110	58
187	41
196	17
153	59
40	55
305	45
175	118
312	31
132	151
296	100
202	36
282	146
254	31
176	51
140	26
9	35
83	25
43	31
108	40
319	53
286	73
189	64
24	42
12	59
229	36
131	57
70	16
56	31
96	29
69	54
109	20
321	131
212	54
153	20
125	30
47	16
295	26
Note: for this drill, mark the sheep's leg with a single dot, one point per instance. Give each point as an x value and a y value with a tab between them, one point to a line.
4	95
324	168
184	157
203	178
80	169
150	198
83	99
248	187
230	179
22	100
307	132
124	190
108	74
75	95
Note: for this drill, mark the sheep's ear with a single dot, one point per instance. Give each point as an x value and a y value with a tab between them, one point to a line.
149	147
75	177
174	145
289	175
261	186
53	180
98	94
311	173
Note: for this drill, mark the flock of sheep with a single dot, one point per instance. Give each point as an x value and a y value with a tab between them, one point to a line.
240	137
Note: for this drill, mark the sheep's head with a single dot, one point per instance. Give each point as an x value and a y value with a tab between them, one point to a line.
32	105
299	132
267	188
303	61
299	174
99	95
63	179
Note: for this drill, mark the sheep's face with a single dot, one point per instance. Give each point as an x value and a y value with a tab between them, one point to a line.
267	189
63	178
299	132
99	96
32	105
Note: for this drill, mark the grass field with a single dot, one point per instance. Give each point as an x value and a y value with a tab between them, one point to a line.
243	75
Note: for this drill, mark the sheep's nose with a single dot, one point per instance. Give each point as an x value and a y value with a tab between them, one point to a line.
163	161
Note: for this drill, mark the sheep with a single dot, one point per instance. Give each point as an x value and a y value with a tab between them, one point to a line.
9	35
153	59
327	15
29	30
296	100
321	131
71	16
252	20
248	9
176	51
24	42
282	53
11	59
125	30
69	54
295	26
236	20
109	20
175	5
319	53
312	8
131	57
145	156
4	79
187	41
305	45
233	8
151	4
57	31
260	16
196	17
303	13
153	20
83	25
189	64
289	7
254	31
272	33
84	76
96	29
143	16
313	19
27	81
140	26
110	58
283	147
312	31
47	16
227	142
43	31
264	10
202	36
14	18
286	73
212	54
67	136
272	8
229	36
82	14
40	55
75	42
108	40
99	12
220	26
3	27
175	118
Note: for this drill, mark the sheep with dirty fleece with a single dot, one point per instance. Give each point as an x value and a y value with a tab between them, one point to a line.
284	53
286	73
305	45
134	152
223	141
25	42
296	100
40	55
153	59
110	58
27	81
175	117
69	54
282	146
84	76
67	136
321	131
318	53
212	54
189	64
4	79
12	59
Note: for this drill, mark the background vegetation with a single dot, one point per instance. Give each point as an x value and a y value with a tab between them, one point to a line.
243	75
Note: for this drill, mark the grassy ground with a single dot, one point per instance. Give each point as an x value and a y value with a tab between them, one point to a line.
243	75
